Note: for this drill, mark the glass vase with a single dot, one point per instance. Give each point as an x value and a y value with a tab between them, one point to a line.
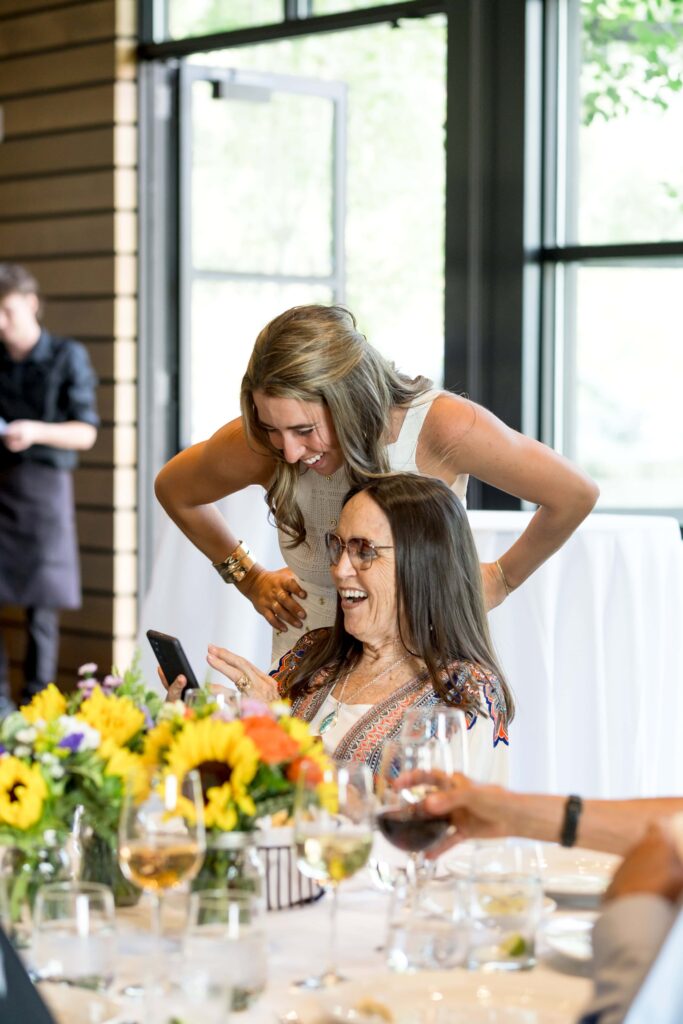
232	861
22	872
99	863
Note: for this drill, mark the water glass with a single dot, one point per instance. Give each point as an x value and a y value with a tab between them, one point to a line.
224	700
427	928
226	938
504	905
74	934
188	991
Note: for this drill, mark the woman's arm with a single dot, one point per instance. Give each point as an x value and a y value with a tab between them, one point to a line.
190	484
481	811
462	437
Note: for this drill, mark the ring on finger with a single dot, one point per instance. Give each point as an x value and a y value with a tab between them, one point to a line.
243	684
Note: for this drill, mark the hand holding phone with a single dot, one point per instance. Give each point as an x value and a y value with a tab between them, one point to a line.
172	659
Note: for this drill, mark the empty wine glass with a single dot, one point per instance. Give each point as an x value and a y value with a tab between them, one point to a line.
333	818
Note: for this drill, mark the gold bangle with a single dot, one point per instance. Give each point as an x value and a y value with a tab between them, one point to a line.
235	567
508	588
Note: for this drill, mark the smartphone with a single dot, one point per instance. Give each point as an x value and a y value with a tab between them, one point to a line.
172	659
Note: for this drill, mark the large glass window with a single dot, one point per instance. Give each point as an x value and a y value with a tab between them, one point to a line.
317	174
614	247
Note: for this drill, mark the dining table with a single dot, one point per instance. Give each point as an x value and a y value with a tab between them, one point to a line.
552	992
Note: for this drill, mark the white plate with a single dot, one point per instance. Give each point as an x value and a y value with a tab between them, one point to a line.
570	937
71	1005
450	997
575	874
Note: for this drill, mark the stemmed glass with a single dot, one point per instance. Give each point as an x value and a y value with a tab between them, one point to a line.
435	741
333	818
161	835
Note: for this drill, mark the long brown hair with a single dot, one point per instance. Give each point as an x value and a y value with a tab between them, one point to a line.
439	593
317	354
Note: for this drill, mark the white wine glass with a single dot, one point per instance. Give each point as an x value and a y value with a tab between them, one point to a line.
333	820
161	835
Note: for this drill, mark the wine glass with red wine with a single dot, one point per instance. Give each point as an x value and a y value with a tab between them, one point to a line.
429	743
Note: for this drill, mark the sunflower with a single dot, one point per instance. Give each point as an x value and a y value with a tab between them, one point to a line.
227	761
47	705
157	741
115	718
23	792
121	762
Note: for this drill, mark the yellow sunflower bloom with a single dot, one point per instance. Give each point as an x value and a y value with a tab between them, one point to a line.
115	718
23	792
156	742
220	811
219	750
49	704
124	764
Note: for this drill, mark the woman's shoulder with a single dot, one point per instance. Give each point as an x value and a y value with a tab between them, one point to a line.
290	661
477	689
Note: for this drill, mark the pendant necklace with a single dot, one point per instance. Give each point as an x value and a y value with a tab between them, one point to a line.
330	720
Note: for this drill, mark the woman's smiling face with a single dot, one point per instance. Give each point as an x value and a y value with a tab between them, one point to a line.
302	431
368	595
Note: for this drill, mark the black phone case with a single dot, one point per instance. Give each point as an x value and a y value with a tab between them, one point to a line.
172	658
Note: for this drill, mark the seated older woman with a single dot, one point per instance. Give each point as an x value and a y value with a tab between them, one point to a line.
410	631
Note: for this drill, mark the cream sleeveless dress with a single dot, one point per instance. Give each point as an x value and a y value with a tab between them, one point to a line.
320	499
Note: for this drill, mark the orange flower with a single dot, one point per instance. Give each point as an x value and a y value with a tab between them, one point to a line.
272	742
308	767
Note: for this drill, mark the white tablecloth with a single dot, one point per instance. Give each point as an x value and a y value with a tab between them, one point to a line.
592	643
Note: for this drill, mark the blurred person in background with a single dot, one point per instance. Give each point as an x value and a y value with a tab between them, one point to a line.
47	415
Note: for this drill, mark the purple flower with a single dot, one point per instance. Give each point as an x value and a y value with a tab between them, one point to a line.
3	749
72	742
89	669
86	686
258	708
111	682
149	721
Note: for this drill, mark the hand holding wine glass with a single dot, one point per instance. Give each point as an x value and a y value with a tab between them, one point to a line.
430	743
333	818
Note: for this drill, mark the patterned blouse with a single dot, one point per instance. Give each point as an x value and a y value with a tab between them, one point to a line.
473	690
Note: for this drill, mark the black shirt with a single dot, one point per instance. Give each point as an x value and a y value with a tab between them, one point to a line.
54	383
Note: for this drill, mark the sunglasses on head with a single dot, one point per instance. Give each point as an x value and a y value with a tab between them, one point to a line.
362	552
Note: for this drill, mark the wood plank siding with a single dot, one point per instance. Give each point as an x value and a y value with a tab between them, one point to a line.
68	212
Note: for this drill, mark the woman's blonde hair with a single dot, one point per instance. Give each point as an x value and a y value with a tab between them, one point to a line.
317	354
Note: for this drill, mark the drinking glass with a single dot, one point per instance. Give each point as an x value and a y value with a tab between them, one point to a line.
504	902
442	731
74	934
226	936
333	816
429	743
225	700
161	835
430	934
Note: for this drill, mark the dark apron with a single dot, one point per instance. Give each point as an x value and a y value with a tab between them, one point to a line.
38	545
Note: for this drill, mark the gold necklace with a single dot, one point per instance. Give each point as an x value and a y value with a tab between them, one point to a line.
330	720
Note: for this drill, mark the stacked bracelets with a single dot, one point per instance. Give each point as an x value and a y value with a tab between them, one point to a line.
235	567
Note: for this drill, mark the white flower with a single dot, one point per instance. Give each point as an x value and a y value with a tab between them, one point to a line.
26	735
89	669
57	772
172	709
21	751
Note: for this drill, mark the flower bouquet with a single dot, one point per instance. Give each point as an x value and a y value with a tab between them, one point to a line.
65	759
249	769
